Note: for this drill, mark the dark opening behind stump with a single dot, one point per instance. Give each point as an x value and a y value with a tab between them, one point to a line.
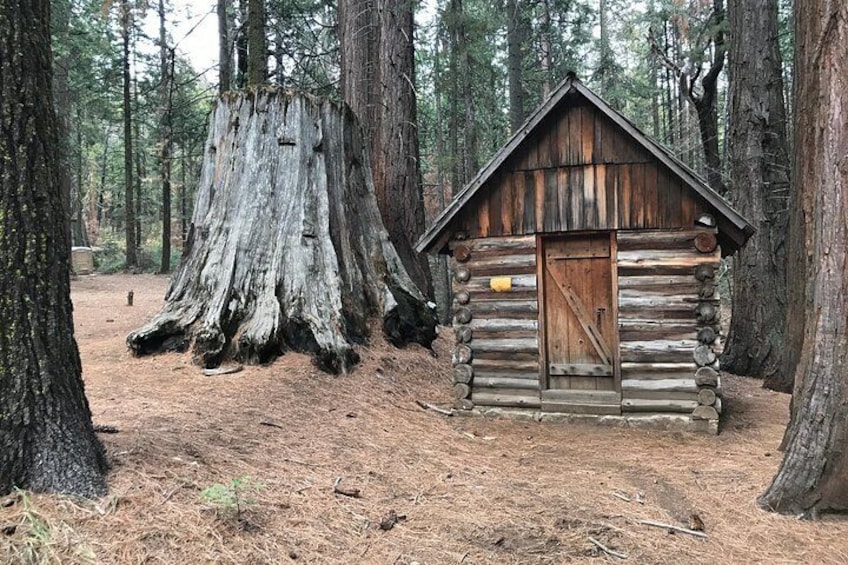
286	248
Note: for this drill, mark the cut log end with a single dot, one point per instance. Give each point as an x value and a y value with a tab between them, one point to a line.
463	334
463	315
462	275
706	397
704	272
463	404
704	413
460	391
703	355
462	374
706	242
707	335
706	376
462	253
462	355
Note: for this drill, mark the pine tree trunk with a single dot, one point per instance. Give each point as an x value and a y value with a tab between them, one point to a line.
225	51
166	61
257	50
183	199
62	95
546	62
516	37
241	45
359	36
397	174
605	51
138	155
471	151
129	202
705	104
286	249
813	476
759	168
378	74
47	442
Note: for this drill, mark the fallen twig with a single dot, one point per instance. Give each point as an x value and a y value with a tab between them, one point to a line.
225	370
351	492
299	462
433	407
610	527
302	489
673	527
270	424
607	550
623	497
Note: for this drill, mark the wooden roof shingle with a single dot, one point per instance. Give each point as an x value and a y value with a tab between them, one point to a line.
734	228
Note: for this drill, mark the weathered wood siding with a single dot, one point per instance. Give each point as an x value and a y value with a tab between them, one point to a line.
667	322
496	322
667	319
579	171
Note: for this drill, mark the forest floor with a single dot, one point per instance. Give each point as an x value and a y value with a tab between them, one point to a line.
466	489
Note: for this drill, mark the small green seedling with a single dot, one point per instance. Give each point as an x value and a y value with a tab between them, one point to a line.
232	499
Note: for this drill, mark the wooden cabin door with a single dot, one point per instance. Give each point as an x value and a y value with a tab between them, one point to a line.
579	321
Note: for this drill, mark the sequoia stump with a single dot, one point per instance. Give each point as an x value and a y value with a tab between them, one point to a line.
286	248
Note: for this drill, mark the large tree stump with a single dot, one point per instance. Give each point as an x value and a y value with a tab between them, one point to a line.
286	249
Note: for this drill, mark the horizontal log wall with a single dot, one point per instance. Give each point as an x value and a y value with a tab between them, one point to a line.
668	321
496	322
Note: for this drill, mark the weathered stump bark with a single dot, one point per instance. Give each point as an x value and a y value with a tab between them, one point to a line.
286	249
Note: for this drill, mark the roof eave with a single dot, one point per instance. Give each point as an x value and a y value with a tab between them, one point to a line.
436	237
442	221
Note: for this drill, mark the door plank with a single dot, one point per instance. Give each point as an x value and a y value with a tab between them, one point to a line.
585	369
585	319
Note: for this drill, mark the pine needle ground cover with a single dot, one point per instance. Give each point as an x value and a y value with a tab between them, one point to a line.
253	467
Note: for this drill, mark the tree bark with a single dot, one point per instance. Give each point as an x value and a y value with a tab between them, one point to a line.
139	157
62	96
813	476
378	77
606	62
241	45
705	102
516	36
257	50
463	110
546	60
47	442
759	167
797	260
286	249
225	50
129	202
166	63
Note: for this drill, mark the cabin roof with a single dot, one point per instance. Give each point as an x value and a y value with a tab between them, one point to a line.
730	222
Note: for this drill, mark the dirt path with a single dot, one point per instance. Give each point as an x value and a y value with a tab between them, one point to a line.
472	490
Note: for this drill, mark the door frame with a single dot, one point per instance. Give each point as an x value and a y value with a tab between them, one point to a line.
541	239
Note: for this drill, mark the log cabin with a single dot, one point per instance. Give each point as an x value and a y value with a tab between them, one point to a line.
584	259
